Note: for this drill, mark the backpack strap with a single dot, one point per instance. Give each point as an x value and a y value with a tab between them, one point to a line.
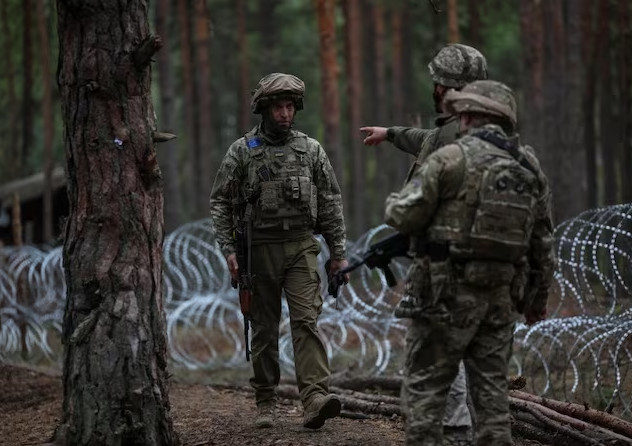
507	146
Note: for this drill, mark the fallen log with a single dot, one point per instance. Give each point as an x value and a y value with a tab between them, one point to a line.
372	397
581	412
592	430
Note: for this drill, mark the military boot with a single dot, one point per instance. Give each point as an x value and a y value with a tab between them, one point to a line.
319	409
266	415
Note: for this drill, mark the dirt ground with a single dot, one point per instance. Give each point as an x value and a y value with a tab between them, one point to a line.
30	407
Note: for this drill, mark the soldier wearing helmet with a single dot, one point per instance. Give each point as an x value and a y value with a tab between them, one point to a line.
452	68
279	184
482	207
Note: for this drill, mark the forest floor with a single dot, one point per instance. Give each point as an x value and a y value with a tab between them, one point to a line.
30	408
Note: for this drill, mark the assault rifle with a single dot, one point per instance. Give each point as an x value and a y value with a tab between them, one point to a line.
243	238
378	255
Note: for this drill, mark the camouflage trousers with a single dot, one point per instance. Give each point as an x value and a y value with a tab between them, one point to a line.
457	417
461	321
290	267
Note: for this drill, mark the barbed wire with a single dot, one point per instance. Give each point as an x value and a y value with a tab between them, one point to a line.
585	347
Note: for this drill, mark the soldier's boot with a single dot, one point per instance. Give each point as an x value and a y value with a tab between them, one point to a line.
266	415
319	409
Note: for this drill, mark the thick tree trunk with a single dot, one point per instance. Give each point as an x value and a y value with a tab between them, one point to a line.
47	113
325	10
115	357
168	151
353	57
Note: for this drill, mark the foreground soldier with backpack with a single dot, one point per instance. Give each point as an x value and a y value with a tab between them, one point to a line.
480	210
452	68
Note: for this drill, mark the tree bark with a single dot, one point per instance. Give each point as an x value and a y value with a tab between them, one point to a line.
27	85
474	23
11	157
47	113
594	42
244	113
625	83
325	10
353	57
573	142
580	412
383	156
453	22
607	127
168	151
188	93
203	105
531	30
115	355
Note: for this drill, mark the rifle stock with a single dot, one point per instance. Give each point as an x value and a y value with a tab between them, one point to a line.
242	243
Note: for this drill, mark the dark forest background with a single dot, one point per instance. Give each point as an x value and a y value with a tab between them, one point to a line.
364	63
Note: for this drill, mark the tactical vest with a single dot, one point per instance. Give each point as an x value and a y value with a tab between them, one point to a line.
492	215
280	178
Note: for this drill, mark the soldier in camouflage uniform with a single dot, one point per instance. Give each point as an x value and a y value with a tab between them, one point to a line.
453	67
482	207
282	183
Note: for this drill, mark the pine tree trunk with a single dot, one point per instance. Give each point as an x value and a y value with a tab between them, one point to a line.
11	157
27	84
625	82
353	56
453	22
115	355
203	109
187	140
168	153
243	114
325	10
47	113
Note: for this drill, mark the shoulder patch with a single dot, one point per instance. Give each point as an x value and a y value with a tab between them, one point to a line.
253	142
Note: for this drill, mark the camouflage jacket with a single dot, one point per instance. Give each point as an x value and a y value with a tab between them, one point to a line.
239	179
440	179
423	142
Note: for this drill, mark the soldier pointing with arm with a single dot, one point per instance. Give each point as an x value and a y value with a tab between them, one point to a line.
482	207
281	183
452	68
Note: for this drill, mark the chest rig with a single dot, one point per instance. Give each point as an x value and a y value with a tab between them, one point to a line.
280	179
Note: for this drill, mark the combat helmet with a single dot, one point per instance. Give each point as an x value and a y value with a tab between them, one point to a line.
486	97
456	65
277	86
